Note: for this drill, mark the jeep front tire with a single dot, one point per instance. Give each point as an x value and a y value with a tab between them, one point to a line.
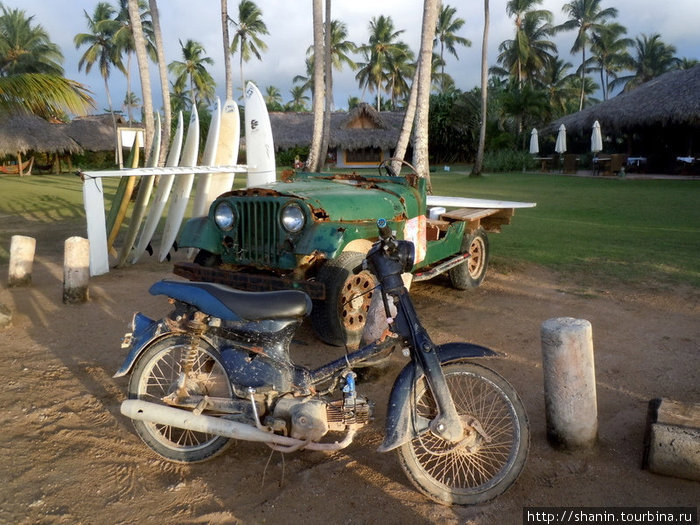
340	318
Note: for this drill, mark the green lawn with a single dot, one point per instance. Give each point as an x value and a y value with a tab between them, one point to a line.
608	228
631	230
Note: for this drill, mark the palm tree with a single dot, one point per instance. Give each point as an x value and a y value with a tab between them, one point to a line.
652	58
445	33
140	49
382	45
193	71
227	49
556	80
124	36
26	47
479	161
314	162
101	49
246	39
131	102
420	131
273	96
340	50
399	67
31	74
163	73
610	55
43	95
524	57
584	16
299	99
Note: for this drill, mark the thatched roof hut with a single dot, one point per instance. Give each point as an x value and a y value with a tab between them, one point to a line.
22	133
94	132
362	127
658	121
670	99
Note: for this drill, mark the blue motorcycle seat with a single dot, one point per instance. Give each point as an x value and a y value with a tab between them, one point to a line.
230	304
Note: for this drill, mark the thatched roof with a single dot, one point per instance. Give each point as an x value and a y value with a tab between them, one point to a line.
94	132
670	99
27	132
295	129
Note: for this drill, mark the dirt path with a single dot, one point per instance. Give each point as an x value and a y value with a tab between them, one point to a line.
70	457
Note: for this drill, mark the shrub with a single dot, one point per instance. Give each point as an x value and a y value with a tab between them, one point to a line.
508	160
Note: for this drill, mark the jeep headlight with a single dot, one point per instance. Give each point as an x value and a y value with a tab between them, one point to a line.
224	216
293	218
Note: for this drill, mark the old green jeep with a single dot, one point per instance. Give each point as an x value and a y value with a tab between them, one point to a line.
308	231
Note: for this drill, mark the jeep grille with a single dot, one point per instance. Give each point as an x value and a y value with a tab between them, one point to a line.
257	231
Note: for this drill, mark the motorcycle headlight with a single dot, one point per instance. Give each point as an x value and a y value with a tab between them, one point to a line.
224	216
293	218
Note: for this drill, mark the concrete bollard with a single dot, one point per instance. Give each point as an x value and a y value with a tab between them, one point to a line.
76	270
569	383
21	260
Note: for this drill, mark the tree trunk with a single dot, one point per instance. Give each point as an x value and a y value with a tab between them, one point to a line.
479	162
142	59
326	135
407	126
315	161
583	77
421	160
227	50
163	73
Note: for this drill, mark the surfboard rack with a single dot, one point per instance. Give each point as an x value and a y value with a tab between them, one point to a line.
95	208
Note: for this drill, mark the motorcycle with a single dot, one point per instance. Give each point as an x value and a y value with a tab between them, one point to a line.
218	368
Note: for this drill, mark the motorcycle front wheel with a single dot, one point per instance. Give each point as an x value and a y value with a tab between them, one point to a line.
491	454
156	375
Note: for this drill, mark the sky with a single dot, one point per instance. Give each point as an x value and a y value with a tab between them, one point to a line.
290	27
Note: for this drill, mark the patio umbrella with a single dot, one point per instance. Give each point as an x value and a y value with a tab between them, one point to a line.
596	138
534	142
560	146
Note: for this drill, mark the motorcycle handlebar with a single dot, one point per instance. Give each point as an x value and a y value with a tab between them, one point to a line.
384	229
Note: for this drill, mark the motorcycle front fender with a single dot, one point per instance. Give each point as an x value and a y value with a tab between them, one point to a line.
143	331
400	426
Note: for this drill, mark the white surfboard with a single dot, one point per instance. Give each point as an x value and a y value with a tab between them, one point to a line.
181	188
201	196
465	202
96	225
260	148
226	150
142	197
162	193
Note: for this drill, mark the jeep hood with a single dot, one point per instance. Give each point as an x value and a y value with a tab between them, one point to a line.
346	200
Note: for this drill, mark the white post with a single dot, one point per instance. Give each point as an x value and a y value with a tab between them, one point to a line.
76	270
569	383
21	260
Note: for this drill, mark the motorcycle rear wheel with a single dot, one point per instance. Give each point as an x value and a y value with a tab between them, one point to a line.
155	376
478	468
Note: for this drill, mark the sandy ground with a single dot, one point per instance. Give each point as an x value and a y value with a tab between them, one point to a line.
68	456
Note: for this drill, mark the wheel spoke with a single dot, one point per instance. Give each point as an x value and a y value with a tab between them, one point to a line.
486	455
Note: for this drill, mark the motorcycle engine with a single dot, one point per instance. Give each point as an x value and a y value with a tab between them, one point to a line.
311	419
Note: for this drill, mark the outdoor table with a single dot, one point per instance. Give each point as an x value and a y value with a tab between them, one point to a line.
545	162
636	163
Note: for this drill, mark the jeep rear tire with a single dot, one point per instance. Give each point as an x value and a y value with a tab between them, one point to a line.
340	318
471	272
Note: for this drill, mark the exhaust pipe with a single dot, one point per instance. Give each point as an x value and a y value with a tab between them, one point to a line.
176	417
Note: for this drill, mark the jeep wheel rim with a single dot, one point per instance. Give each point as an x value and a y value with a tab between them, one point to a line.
476	257
355	300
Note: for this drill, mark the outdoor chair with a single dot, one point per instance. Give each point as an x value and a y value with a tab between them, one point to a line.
617	163
570	163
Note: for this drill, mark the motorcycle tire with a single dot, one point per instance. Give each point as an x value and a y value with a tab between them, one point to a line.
155	375
492	453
